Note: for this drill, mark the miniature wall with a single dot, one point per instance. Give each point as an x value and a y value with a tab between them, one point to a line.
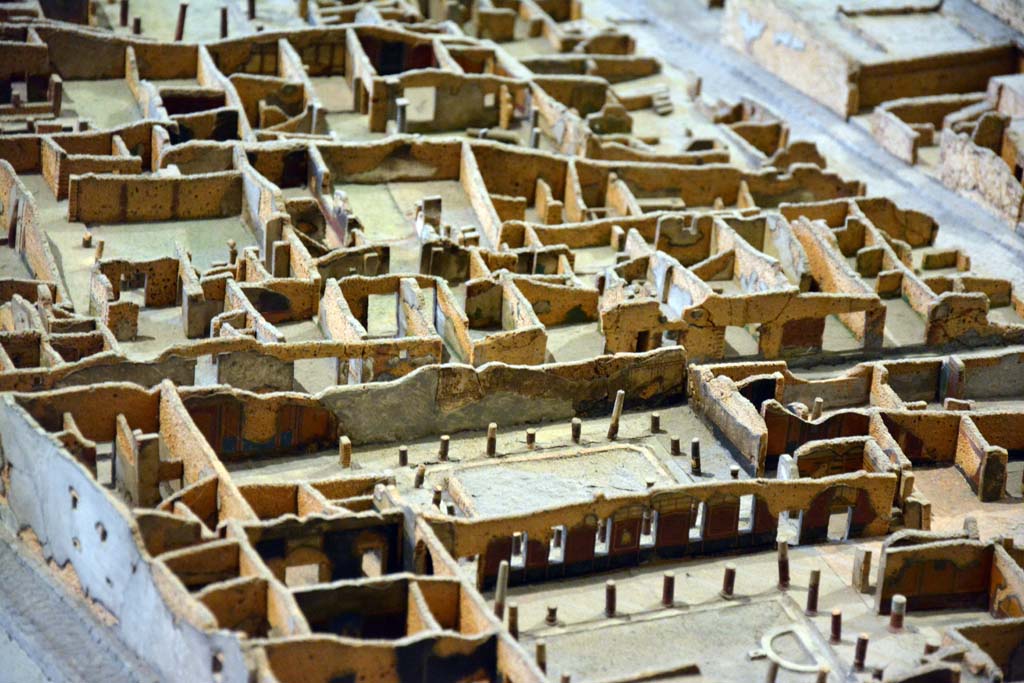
335	317
840	455
963	162
635	535
514	172
102	198
476	190
852	389
236	302
834	275
336	544
30	239
1001	428
396	159
256	54
76	519
999	375
613	68
160	278
950	573
719	399
684	237
97	416
521	339
198	156
458	397
559	304
460	100
182	439
905	124
924	436
322	659
1000	641
27	289
82	155
983	464
158	60
108	366
240	424
283	299
938	575
1006	588
446	316
255	91
370	259
963	71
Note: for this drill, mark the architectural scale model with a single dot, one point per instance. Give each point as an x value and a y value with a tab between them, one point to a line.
480	341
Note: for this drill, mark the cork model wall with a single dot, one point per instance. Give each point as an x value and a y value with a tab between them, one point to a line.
512	340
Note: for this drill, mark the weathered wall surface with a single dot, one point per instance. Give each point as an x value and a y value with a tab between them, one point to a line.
122	199
452	398
936	575
77	521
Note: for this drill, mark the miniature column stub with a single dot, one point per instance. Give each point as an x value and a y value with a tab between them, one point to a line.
860	652
668	589
345	451
897	612
513	620
501	590
783	556
812	591
609	598
862	571
179	29
492	440
728	581
613	426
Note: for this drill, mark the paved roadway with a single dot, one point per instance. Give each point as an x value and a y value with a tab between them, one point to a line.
47	634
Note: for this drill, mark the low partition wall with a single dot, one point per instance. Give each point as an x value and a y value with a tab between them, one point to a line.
20	210
109	198
452	398
692	520
950	572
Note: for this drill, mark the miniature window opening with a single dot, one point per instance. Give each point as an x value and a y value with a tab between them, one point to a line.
649	528
302	575
697	519
519	543
603	535
372	562
747	510
556	552
839	524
